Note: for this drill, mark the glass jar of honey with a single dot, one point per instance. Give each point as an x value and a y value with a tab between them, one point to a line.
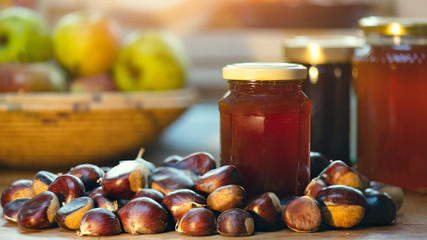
390	83
265	127
328	85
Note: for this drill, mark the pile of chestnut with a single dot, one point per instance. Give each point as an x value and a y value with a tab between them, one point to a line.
191	195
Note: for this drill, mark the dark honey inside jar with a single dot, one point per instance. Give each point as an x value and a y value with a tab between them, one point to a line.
265	127
390	82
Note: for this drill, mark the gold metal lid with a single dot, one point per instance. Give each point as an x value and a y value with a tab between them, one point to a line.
264	71
324	49
393	26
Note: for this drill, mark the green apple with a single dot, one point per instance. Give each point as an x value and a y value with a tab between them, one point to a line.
24	36
32	77
86	42
151	60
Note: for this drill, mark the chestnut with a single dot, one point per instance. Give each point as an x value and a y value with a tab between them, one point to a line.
150	193
197	222
67	187
303	214
315	185
381	209
180	201
227	197
18	189
339	173
143	215
396	193
39	212
235	222
168	179
11	209
97	190
125	179
342	206
89	174
42	181
218	177
199	162
318	162
286	200
70	215
99	222
103	201
266	211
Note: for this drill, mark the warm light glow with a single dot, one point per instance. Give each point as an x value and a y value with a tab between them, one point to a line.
313	74
395	29
315	52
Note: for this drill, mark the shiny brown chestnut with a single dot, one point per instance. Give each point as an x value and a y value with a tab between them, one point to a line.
125	179
266	211
67	187
342	206
197	222
235	222
315	185
11	209
218	177
303	214
103	201
199	162
99	222
143	215
90	175
18	189
70	215
396	193
39	212
180	201
150	193
42	181
168	179
339	173
381	209
318	162
227	197
96	191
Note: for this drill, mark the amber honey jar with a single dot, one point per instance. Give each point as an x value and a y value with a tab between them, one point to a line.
390	81
265	126
328	85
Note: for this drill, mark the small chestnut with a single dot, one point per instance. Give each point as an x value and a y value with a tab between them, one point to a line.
266	211
381	209
235	222
199	162
227	197
89	174
143	215
39	212
11	209
342	206
315	185
99	222
97	190
42	181
180	201
303	214
150	193
396	193
318	162
339	173
197	222
218	177
103	201
18	189
67	187
70	215
168	179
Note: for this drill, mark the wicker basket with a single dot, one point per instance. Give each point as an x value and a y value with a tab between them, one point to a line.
59	130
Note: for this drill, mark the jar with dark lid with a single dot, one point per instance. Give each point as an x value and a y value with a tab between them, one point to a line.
328	85
265	127
390	83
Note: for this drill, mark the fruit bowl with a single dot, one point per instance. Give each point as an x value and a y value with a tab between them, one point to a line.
54	130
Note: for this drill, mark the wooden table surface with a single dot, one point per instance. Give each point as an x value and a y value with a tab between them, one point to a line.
199	129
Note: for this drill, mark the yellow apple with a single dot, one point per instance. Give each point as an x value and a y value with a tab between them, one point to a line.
86	43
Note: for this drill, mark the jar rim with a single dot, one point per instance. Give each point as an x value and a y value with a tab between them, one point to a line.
394	26
259	71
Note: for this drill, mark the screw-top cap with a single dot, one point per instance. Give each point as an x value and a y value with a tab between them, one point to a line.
393	26
264	71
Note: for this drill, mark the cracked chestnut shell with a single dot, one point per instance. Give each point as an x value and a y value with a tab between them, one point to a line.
143	215
197	222
70	215
235	222
303	214
67	187
199	162
215	178
39	212
18	189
